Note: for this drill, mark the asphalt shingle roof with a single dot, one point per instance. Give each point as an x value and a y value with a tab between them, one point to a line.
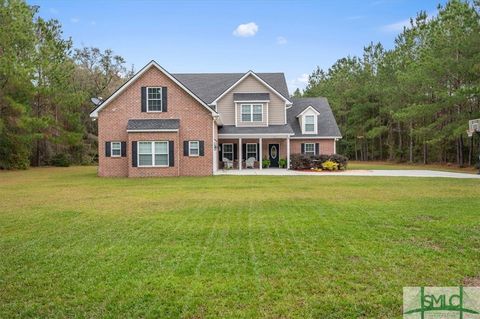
327	126
251	96
271	129
153	124
209	86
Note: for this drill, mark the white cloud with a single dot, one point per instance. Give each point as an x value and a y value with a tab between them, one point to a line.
303	78
246	30
74	20
397	26
299	82
281	40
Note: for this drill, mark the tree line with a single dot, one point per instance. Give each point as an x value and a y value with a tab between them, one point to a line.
45	89
413	102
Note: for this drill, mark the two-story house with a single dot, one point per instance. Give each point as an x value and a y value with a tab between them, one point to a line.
162	124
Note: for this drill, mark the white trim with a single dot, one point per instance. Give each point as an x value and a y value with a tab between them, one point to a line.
307	109
335	146
214	148
248	135
161	98
236	114
259	79
314	137
190	146
240	152
152	63
152	143
288	152
152	130
252	101
223	149
266	111
260	155
246	150
305	148
111	149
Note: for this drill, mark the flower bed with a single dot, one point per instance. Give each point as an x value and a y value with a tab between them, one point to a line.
318	162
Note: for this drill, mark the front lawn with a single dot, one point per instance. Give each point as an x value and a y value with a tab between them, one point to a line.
75	245
383	165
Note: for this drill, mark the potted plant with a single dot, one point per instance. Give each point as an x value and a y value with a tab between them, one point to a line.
282	163
265	163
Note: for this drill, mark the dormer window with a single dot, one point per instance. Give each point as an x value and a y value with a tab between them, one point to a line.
309	123
154	99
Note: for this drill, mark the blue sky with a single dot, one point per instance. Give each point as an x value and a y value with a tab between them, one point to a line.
235	36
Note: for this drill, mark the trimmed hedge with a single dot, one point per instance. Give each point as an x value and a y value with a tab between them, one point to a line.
301	161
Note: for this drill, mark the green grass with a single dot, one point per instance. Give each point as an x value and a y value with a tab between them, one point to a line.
75	245
372	165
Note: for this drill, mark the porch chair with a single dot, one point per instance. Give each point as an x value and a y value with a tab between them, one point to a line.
250	162
227	164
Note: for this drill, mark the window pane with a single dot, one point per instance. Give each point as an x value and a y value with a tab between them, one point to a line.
309	119
257	113
145	147
116	152
154	99
161	159
228	151
246	113
161	147
144	160
309	127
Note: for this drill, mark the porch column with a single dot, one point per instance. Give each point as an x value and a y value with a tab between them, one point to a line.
288	152
240	155
260	153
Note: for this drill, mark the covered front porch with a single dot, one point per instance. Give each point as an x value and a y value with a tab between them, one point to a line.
249	152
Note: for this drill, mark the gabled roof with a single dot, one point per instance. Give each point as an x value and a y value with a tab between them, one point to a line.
152	63
153	125
209	86
308	108
326	125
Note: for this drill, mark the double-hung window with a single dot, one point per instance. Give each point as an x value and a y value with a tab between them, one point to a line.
115	149
153	153
227	151
252	112
310	149
310	124
193	148
251	150
154	99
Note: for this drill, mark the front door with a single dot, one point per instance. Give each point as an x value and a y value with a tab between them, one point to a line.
273	154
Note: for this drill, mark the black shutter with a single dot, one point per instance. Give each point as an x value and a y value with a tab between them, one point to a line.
235	151
107	149
164	99
202	148
244	151
185	148
134	153
124	149
258	151
302	148
220	152
171	154
144	98
317	149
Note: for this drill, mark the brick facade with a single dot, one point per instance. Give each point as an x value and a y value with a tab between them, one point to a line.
196	123
327	146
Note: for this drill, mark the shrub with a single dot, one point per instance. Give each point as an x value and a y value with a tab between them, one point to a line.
301	161
330	165
282	163
265	163
60	160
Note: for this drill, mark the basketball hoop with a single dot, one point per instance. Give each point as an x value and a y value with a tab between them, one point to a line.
474	127
470	133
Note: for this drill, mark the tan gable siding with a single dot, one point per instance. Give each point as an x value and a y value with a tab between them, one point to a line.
276	106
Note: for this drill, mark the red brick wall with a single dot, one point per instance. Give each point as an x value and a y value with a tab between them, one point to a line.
196	123
327	147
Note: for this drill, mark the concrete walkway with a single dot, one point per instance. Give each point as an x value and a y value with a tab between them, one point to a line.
393	173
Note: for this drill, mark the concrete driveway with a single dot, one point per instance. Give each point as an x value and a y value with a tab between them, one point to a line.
388	173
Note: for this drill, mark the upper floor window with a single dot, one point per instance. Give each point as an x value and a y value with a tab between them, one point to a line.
193	148
252	113
309	124
154	99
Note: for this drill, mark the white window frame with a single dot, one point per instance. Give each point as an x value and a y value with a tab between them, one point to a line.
161	100
305	149
190	148
314	131
223	151
152	143
252	106
119	149
246	151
